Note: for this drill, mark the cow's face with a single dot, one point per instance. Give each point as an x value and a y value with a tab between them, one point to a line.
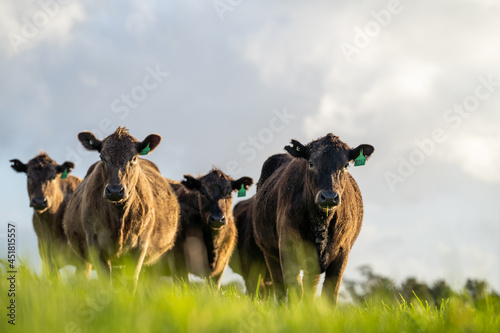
119	155
326	161
214	192
43	173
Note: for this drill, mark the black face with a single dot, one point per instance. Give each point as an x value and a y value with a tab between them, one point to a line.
119	154
43	180
215	195
326	173
327	160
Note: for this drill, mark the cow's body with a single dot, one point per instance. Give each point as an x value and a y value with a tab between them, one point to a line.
138	222
207	232
49	195
294	227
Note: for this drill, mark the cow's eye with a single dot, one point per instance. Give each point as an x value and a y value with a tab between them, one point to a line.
134	160
311	165
346	166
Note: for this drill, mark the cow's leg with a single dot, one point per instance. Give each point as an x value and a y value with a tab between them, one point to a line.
83	269
215	279
333	276
291	253
178	264
138	267
102	265
256	270
274	265
310	282
83	265
49	265
105	270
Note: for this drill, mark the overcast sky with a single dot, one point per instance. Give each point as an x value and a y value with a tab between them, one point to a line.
229	83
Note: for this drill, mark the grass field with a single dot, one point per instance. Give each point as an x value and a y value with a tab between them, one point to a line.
49	305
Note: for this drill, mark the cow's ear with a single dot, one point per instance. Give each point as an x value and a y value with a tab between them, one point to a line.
89	141
245	181
68	166
356	152
18	166
149	144
191	183
298	150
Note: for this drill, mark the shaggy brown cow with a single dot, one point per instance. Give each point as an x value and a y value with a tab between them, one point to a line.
308	213
207	233
127	209
49	189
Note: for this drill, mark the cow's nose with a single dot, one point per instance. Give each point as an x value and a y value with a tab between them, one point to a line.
328	199
39	203
115	192
216	221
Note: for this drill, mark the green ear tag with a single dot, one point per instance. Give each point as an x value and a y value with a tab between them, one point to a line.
64	175
145	151
242	192
360	160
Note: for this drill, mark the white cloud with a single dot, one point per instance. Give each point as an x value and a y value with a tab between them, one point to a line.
478	156
27	24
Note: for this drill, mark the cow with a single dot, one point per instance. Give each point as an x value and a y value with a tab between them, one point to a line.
128	211
207	232
307	215
49	189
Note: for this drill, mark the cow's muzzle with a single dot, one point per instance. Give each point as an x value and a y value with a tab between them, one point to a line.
327	198
216	221
115	193
39	203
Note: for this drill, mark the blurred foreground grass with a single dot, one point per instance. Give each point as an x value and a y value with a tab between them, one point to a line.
49	305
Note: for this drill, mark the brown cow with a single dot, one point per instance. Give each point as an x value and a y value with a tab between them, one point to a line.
49	189
127	209
207	233
308	213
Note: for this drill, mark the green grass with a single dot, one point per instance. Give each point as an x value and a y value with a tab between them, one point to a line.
49	305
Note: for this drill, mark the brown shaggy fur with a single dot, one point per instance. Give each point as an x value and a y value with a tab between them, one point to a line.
141	225
44	182
292	227
204	247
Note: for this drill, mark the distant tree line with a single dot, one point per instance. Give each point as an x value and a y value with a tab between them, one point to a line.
374	287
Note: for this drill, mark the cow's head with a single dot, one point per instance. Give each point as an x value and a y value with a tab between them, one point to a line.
119	154
43	173
214	195
326	161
